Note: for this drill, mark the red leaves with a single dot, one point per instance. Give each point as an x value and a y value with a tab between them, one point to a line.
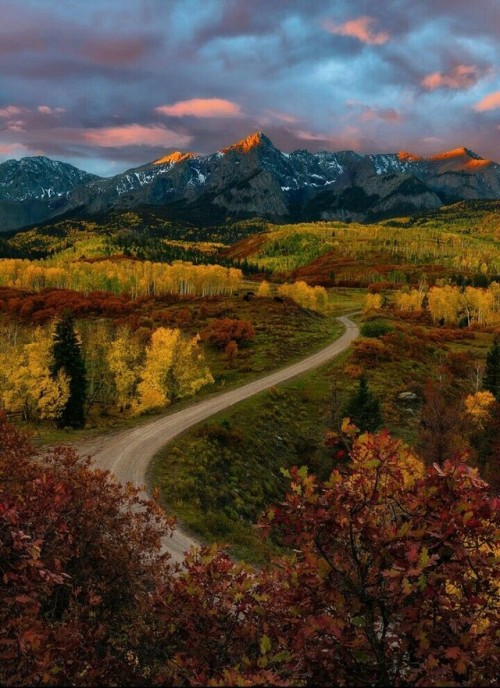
399	564
224	330
41	307
79	556
393	580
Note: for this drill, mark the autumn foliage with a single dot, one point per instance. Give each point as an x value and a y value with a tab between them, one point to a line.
224	330
391	580
395	578
79	556
136	278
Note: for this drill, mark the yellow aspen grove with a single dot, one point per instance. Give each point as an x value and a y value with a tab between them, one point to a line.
188	373
137	278
314	298
478	406
373	302
444	304
474	304
152	388
478	305
26	385
264	289
409	301
173	367
123	358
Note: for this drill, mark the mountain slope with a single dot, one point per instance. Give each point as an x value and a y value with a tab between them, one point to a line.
34	189
252	178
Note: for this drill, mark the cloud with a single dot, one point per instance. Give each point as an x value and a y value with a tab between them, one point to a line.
201	107
489	102
384	114
11	111
46	110
106	50
17	119
134	135
17	150
360	28
460	77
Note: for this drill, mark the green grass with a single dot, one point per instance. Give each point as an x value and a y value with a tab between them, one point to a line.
285	333
460	239
218	477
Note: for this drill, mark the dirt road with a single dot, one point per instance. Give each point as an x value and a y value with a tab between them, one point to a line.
128	453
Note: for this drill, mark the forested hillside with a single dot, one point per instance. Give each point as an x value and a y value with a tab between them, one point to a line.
350	515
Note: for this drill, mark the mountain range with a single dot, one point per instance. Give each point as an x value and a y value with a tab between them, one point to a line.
248	179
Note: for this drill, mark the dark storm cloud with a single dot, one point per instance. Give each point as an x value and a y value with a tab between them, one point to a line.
111	85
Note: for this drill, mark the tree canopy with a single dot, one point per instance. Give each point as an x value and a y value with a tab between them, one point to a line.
389	579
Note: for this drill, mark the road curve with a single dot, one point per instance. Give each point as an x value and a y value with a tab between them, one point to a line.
128	453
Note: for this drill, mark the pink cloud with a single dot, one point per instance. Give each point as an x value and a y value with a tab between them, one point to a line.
347	138
489	102
46	110
280	116
201	107
15	125
13	149
460	77
11	111
385	114
361	28
134	135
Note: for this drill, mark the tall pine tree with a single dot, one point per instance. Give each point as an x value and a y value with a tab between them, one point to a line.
363	408
491	379
67	356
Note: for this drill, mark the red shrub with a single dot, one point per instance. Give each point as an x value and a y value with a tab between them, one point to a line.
221	332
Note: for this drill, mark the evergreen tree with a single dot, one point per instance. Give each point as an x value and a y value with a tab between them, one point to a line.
491	379
67	356
363	408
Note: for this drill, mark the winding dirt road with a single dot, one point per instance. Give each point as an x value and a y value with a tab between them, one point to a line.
128	453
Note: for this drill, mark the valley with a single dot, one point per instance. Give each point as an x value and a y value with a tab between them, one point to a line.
242	366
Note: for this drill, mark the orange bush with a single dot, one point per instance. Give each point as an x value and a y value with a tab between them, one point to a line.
220	332
369	350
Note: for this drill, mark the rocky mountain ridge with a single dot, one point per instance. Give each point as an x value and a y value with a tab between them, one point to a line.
254	178
32	189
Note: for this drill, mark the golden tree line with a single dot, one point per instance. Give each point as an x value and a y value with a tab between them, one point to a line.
314	298
123	374
418	245
137	278
447	304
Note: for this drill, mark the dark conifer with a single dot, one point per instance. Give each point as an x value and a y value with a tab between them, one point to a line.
491	379
364	409
67	355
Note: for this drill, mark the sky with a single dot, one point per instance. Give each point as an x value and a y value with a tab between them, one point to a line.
111	85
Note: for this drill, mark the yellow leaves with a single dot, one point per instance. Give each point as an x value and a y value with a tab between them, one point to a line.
373	302
123	361
449	304
26	384
265	644
423	560
138	278
409	301
314	298
348	428
174	367
152	388
264	289
389	451
478	407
